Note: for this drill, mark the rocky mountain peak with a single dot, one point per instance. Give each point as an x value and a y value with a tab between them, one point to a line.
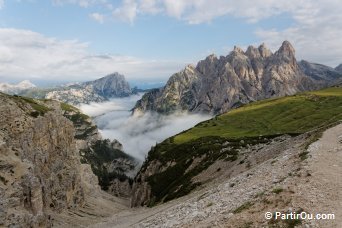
286	49
113	76
212	57
207	65
112	85
253	52
218	85
264	51
238	50
26	84
102	89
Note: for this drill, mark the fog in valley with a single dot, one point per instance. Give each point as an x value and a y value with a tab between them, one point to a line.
137	134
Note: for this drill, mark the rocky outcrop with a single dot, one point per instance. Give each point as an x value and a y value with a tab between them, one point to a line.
49	152
320	72
40	166
110	164
216	85
110	86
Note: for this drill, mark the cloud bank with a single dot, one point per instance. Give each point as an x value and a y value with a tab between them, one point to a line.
137	134
316	29
26	55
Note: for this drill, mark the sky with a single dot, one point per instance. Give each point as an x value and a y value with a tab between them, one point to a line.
149	40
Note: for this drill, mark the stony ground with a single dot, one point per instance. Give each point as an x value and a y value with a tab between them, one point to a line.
288	182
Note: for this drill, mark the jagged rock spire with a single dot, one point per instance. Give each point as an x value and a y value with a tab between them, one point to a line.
264	51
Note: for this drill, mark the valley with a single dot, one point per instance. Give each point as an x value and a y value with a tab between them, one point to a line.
283	183
219	145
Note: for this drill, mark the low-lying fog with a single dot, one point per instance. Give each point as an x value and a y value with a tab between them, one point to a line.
137	134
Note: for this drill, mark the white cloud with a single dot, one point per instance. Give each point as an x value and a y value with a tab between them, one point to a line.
97	17
316	33
26	54
127	12
81	3
137	134
149	6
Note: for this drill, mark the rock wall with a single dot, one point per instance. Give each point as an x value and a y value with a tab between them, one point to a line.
39	163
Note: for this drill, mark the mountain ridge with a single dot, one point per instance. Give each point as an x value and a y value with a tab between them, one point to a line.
102	89
216	85
110	86
15	88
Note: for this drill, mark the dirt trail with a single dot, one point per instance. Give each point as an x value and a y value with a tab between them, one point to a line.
323	192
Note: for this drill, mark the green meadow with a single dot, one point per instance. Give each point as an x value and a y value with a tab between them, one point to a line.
287	115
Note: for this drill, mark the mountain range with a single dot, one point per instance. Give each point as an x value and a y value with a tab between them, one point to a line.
16	88
216	85
111	86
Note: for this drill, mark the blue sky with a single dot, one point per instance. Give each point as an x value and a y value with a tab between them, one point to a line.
148	40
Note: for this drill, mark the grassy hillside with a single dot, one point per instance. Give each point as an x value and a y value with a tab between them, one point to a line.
293	114
222	137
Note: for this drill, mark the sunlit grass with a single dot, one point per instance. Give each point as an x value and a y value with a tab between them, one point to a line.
293	114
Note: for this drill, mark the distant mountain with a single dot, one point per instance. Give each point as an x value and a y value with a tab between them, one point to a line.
339	68
110	86
216	85
319	71
16	88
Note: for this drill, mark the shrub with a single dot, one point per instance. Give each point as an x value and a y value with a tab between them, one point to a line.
243	207
277	190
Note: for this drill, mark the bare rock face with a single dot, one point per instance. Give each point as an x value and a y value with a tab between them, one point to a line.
141	191
113	85
320	72
120	188
39	163
216	85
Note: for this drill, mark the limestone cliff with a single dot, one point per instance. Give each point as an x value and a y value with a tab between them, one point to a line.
39	162
216	85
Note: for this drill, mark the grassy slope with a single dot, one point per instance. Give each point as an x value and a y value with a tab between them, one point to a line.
293	114
242	126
